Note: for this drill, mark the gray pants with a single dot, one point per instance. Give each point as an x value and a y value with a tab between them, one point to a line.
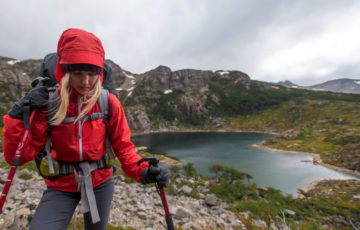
57	207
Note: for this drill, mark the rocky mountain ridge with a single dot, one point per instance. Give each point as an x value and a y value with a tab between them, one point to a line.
140	94
162	99
343	85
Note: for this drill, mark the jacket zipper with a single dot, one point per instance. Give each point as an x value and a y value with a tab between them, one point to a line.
80	132
80	138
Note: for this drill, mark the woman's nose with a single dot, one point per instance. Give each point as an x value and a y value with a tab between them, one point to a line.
85	79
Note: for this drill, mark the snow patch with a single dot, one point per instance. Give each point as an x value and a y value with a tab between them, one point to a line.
223	72
119	89
130	90
13	62
167	91
357	82
128	76
133	82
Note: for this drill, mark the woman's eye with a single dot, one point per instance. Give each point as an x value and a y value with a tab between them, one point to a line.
92	74
77	73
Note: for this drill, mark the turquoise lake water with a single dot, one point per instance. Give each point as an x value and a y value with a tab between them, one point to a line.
286	172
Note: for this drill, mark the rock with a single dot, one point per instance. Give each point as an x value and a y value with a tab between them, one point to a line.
182	213
211	200
138	118
23	212
133	205
260	223
178	180
202	189
186	190
142	215
289	212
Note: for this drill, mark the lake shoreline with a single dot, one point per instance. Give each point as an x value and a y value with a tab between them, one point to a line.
315	156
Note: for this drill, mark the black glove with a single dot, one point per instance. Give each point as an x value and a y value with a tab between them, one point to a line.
159	174
38	98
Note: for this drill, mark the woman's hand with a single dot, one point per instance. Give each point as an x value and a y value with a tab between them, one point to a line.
38	98
159	174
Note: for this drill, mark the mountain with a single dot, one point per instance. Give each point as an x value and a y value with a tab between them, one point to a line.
343	85
161	100
340	85
287	84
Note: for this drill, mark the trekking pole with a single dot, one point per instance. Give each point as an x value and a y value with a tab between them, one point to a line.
154	161
16	160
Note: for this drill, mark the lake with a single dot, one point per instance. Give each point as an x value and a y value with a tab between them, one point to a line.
286	172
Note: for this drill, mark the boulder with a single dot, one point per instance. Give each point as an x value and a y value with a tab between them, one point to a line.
211	200
182	213
186	190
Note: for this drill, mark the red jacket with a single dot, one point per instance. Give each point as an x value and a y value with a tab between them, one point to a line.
72	142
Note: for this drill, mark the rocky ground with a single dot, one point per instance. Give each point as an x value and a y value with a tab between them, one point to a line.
133	206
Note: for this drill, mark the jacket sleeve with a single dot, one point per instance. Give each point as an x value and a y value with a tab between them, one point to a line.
119	133
13	130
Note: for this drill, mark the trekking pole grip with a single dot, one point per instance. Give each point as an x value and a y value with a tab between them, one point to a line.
152	161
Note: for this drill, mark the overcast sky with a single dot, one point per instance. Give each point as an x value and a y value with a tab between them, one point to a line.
304	41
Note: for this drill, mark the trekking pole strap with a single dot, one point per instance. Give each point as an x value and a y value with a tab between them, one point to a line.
26	114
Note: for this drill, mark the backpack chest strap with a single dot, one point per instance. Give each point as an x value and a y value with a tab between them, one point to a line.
92	117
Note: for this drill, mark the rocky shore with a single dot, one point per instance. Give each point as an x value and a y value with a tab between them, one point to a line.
133	206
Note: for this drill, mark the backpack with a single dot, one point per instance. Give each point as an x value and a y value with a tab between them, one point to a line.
48	167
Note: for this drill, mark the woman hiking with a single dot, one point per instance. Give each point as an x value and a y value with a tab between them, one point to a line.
81	143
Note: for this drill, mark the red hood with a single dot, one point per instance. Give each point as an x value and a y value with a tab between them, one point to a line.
79	46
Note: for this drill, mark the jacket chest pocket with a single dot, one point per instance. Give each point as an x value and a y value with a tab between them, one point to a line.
93	136
64	140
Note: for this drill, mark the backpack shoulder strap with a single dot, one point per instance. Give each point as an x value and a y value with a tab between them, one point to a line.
52	108
103	103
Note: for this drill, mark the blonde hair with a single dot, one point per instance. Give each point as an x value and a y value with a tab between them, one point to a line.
89	100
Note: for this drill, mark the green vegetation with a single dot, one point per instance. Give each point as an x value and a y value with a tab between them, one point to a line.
332	203
25	176
165	106
31	166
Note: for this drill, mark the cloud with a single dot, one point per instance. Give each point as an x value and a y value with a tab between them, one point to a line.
301	40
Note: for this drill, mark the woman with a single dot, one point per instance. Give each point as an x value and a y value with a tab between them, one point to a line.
82	142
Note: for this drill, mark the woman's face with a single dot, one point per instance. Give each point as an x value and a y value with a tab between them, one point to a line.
83	81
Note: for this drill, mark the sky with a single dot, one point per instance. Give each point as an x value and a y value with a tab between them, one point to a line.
304	41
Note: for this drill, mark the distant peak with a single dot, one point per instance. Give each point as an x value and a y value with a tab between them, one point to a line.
162	67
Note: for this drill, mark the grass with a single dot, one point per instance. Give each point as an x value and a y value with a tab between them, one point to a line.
31	166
